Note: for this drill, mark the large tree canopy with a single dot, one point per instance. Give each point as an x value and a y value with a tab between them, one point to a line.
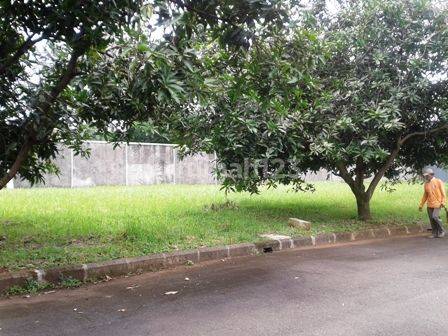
362	92
56	55
33	76
256	119
387	81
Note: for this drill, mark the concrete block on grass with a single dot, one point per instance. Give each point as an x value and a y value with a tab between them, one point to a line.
299	224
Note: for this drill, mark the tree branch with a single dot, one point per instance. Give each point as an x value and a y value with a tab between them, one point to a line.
345	174
379	175
202	13
62	82
393	155
26	45
423	133
60	85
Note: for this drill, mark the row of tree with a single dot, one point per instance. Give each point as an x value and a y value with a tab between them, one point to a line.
275	88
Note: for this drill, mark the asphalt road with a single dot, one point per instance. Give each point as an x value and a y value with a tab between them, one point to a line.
392	287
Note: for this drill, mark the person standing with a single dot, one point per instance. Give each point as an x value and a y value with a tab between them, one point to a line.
435	197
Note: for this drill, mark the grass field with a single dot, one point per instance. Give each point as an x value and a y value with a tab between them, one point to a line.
48	227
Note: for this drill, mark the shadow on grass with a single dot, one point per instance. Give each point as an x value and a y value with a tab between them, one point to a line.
282	210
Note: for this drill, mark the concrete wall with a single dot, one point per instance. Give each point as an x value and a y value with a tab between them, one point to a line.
105	166
440	173
63	161
196	170
136	164
143	164
321	175
151	164
133	164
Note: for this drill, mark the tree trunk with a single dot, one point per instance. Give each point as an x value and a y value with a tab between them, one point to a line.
363	204
43	108
358	189
21	157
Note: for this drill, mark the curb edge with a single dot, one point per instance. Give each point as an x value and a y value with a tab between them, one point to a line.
157	262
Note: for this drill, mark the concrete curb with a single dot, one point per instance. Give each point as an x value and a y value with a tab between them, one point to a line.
157	262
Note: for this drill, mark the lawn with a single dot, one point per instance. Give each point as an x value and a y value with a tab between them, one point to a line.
47	227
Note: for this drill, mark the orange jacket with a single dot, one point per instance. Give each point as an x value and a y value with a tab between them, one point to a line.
434	194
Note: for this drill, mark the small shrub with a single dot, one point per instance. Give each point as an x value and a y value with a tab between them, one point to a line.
70	283
31	287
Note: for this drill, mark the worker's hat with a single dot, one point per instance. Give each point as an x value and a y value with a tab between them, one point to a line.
428	171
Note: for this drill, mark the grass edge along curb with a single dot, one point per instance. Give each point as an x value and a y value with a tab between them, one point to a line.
157	262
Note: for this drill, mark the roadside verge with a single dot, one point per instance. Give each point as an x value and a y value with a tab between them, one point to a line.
156	262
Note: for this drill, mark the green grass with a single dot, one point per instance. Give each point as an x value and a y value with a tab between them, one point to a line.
48	227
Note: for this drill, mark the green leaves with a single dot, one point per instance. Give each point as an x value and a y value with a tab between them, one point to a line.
108	64
326	92
42	45
170	87
249	80
255	112
376	77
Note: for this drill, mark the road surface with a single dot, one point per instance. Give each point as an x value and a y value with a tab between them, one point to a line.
392	287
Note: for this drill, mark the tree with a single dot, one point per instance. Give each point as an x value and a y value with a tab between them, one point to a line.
34	76
362	93
256	116
49	49
388	105
149	80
